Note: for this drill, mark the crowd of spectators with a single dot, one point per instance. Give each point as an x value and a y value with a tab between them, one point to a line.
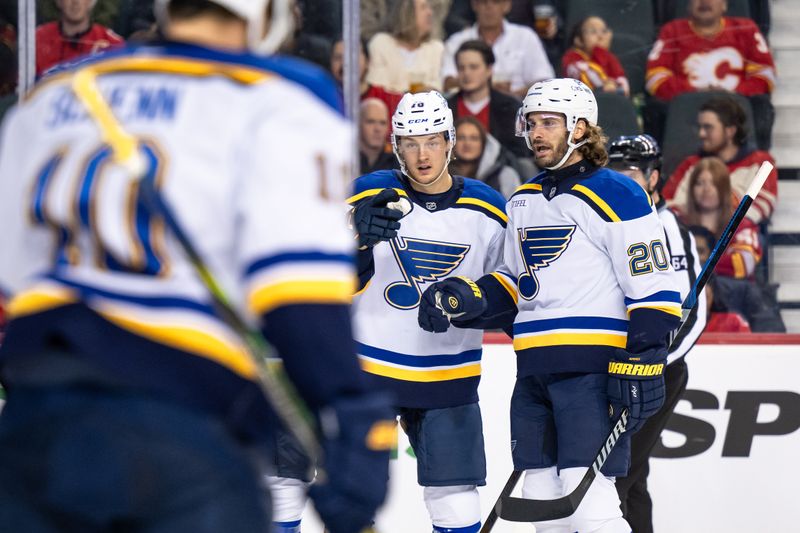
484	54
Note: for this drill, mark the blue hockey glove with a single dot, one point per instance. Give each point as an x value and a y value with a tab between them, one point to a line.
457	298
636	381
358	435
373	221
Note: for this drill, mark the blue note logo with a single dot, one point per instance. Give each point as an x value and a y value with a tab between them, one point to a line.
539	247
421	261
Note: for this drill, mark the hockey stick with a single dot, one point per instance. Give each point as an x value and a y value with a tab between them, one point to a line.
527	510
508	488
274	382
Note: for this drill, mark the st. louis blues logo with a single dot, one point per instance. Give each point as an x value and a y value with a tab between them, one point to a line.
539	247
421	261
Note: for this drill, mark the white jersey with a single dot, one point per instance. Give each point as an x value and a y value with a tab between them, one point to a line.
685	261
78	241
461	234
586	262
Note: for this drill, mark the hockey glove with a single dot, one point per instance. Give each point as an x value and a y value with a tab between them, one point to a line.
457	298
373	221
358	434
636	381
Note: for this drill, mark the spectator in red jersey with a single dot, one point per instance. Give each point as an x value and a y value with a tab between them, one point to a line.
391	99
495	110
373	130
722	130
710	204
72	36
589	59
711	52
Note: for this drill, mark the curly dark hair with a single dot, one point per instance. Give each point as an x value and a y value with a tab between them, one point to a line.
730	113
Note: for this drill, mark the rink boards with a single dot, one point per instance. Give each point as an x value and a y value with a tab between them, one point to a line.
733	448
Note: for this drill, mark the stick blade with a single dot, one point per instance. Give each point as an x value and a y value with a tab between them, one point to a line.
524	510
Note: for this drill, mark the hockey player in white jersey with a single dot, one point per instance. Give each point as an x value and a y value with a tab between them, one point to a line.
586	268
132	405
639	158
455	228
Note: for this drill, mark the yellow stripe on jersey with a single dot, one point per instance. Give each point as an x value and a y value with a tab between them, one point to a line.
313	291
362	288
674	309
421	376
190	340
529	187
485	205
598	201
371	192
566	339
37	300
739	270
182	66
507	285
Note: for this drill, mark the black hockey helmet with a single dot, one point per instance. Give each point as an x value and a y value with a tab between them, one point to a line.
638	151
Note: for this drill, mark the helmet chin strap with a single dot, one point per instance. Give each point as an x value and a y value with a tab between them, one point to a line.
572	146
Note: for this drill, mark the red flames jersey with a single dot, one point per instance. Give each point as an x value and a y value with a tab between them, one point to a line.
594	70
53	47
742	169
736	59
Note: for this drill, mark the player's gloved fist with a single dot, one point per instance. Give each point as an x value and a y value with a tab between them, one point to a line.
358	435
373	221
457	299
636	381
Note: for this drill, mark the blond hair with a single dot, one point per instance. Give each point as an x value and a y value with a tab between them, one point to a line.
402	22
594	150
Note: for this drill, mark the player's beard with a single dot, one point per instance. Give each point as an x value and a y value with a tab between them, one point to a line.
553	156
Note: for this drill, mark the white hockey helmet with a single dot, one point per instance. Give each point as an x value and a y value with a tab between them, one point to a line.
422	114
567	96
254	12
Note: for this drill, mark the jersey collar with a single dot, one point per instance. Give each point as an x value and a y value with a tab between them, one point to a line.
433	202
555	182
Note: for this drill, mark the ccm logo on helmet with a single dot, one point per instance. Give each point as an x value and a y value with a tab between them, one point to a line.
417	120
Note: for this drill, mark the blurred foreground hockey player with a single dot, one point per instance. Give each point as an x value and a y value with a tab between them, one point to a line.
639	158
131	405
586	267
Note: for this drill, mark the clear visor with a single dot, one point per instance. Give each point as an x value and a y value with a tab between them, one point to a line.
521	124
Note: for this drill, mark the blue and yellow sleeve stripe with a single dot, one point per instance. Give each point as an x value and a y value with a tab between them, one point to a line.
665	301
300	278
509	283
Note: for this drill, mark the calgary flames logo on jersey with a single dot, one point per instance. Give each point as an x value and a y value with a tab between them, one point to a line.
539	247
421	261
721	67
